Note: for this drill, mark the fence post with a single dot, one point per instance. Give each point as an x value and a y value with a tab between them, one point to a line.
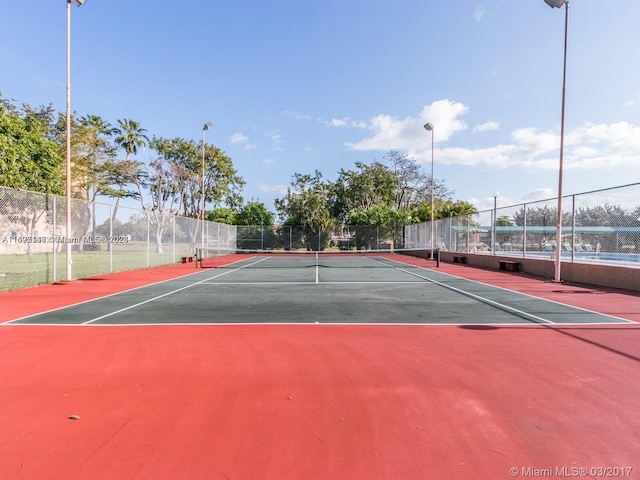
110	244
148	242
524	231
173	240
573	227
55	237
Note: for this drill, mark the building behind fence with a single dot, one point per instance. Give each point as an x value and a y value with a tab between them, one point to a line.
599	226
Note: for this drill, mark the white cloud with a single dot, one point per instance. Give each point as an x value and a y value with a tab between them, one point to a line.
479	13
239	138
276	139
393	133
278	189
344	122
296	115
587	147
338	122
538	194
485	127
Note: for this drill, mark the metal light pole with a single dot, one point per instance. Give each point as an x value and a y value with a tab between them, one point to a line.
558	4
493	224
429	128
68	239
206	127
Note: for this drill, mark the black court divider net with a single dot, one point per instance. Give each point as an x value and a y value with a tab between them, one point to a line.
304	259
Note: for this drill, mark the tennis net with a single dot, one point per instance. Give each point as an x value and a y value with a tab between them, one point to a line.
207	258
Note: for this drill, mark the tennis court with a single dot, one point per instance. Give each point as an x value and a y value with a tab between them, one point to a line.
320	288
317	366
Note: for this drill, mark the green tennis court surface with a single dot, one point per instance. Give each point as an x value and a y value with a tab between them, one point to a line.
336	289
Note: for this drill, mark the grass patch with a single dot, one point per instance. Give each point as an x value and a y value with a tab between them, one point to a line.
21	270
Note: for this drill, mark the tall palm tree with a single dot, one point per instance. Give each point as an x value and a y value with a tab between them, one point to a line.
98	124
130	136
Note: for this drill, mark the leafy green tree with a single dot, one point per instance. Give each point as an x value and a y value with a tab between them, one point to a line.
413	186
545	217
222	215
130	136
93	153
504	236
94	150
307	204
254	213
362	188
223	185
180	164
540	216
442	209
124	179
607	216
378	224
175	182
29	159
255	227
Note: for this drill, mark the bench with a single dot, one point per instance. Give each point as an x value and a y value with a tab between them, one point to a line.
509	265
459	259
186	259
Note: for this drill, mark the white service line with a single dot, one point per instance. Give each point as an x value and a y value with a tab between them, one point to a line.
481	299
88	322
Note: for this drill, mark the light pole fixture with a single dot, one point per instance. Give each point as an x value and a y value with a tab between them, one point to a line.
493	224
205	127
558	4
68	239
429	128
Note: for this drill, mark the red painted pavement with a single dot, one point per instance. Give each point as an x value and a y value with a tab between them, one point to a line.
318	401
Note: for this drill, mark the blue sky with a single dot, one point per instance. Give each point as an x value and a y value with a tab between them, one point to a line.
303	85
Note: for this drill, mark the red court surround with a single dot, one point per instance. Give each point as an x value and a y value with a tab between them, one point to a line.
316	401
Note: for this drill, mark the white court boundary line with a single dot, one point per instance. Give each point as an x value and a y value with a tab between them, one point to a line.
8	322
479	298
88	322
619	319
13	322
487	326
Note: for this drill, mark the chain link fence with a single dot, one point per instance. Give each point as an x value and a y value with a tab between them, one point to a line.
104	238
597	226
344	237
